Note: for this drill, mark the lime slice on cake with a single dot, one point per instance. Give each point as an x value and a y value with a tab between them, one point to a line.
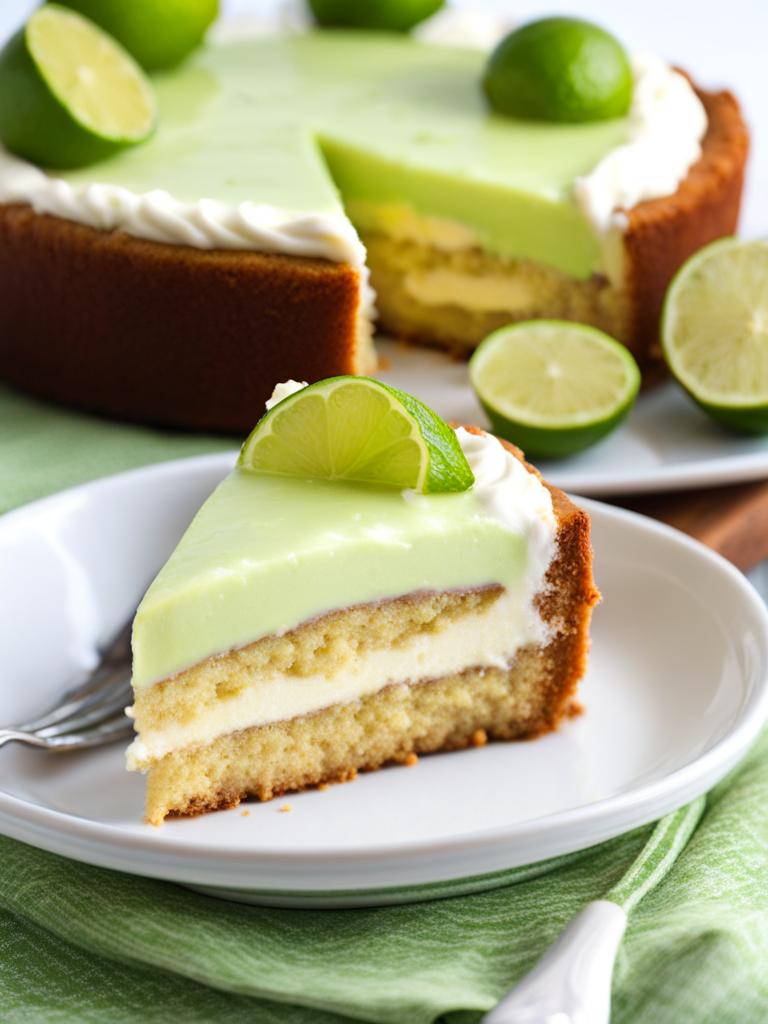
553	387
715	331
70	94
559	69
356	428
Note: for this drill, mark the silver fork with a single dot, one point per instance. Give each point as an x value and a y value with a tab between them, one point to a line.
92	713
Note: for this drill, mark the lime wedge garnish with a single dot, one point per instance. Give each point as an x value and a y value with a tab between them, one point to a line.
715	331
70	94
553	387
356	428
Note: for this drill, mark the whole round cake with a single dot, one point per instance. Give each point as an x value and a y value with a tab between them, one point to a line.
302	187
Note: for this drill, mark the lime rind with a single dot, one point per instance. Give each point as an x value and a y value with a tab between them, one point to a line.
37	120
554	387
358	429
714	331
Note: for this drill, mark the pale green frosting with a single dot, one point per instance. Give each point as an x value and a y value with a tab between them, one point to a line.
393	120
266	553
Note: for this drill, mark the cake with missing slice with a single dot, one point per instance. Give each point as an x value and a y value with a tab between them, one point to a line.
319	619
234	247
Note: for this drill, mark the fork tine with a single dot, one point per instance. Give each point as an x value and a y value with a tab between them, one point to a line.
109	731
111	701
60	717
115	657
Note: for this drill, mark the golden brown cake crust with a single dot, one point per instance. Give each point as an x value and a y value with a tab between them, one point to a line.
663	233
530	698
165	334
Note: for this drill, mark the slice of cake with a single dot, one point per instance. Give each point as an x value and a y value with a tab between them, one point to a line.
308	629
235	247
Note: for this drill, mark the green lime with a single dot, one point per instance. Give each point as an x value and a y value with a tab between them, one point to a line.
714	331
559	69
356	428
69	94
553	387
390	15
159	33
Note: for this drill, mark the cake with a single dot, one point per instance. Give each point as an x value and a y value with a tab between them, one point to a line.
175	282
306	630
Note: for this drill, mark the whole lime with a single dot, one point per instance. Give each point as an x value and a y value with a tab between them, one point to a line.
559	69
390	15
159	33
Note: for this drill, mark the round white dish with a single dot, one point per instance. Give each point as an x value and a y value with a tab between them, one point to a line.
675	693
666	444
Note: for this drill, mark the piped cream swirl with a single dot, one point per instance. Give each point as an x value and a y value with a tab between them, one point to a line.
159	217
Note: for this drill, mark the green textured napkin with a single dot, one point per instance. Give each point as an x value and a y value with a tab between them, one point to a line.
82	945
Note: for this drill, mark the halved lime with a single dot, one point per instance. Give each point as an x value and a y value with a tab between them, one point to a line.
356	428
715	331
70	94
553	387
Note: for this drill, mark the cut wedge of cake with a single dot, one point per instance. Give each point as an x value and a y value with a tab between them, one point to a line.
305	630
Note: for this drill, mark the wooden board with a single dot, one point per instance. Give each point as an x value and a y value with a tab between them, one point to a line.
731	520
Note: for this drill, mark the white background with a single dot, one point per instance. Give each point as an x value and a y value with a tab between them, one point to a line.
723	43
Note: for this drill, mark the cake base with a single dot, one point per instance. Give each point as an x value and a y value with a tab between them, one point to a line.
389	726
168	334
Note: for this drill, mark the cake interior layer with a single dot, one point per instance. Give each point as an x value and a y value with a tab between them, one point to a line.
336	659
369	115
454	297
334	744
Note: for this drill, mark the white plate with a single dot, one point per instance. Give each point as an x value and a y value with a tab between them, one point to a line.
667	443
676	691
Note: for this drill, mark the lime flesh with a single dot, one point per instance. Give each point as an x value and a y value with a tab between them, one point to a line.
715	331
559	69
356	428
553	387
69	94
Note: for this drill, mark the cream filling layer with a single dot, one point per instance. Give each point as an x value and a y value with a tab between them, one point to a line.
488	294
487	639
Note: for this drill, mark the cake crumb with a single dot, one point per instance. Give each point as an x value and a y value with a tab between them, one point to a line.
244	814
285	808
411	759
479	738
384	363
322	786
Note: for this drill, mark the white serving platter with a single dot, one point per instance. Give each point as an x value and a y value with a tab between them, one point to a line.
675	693
666	444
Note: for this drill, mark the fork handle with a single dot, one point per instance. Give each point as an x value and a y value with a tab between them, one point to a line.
9	735
571	984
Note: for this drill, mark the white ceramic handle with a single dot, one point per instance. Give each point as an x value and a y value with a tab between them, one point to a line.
571	984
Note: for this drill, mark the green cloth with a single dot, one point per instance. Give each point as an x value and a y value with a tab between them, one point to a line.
83	945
